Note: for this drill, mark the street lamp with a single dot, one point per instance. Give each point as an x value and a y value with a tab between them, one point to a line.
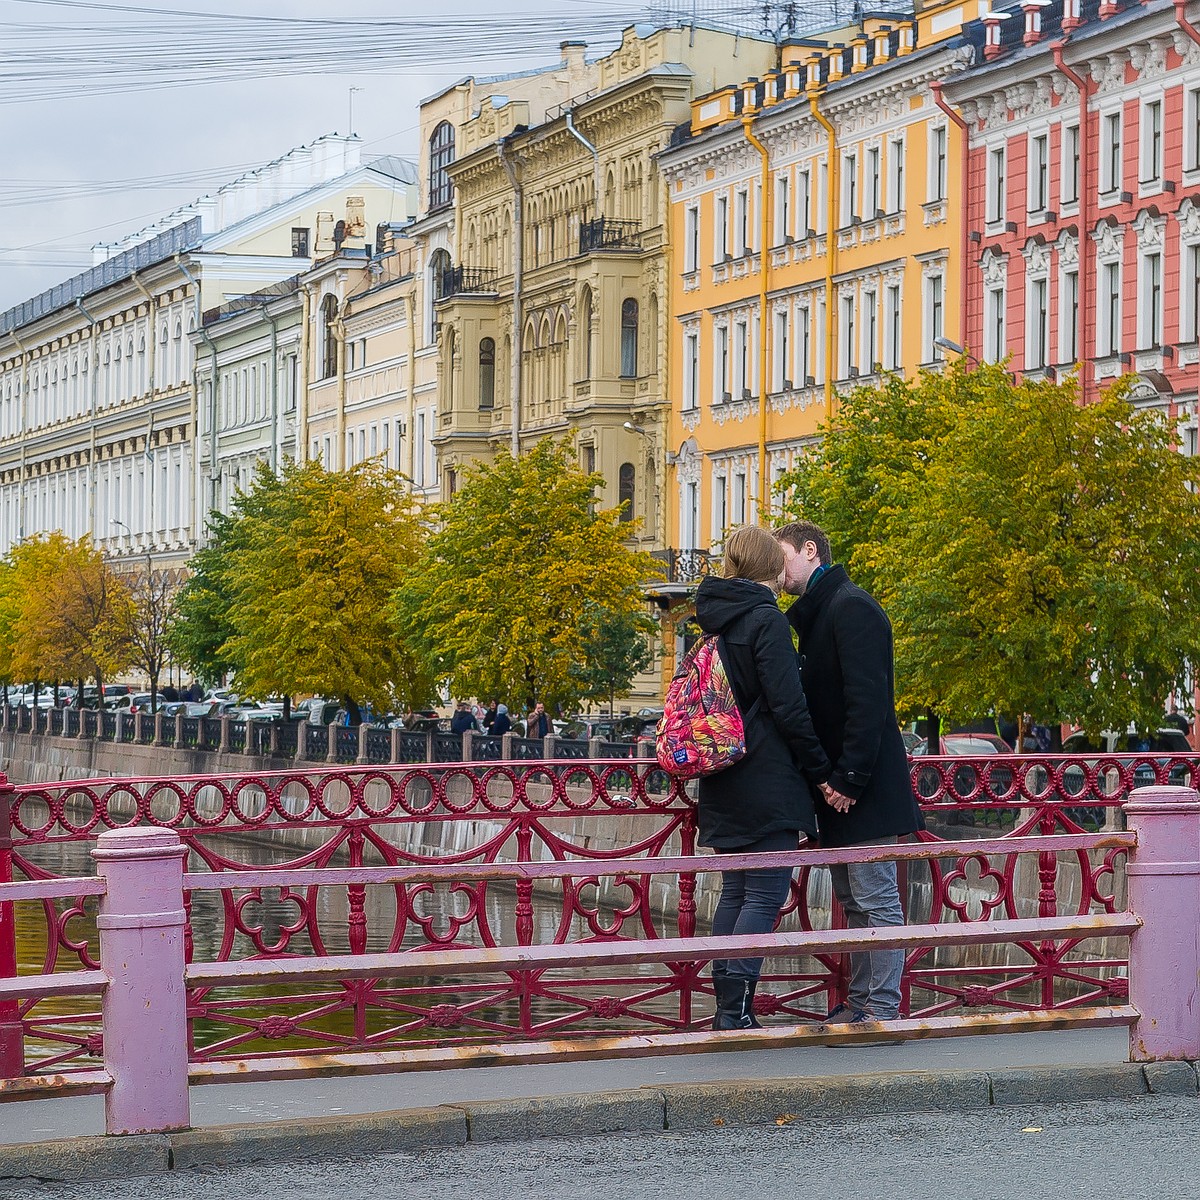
633	428
944	343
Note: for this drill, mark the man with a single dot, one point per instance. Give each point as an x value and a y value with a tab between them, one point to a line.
846	667
463	720
537	724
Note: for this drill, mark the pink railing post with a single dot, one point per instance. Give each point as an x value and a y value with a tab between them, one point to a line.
12	1045
141	926
1164	891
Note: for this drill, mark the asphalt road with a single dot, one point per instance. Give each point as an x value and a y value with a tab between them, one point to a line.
1128	1149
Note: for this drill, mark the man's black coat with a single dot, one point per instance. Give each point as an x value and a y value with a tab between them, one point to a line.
846	668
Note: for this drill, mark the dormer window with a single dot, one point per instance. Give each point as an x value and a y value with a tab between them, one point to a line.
441	155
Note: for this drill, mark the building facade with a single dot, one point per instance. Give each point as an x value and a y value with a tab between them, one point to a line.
814	213
99	406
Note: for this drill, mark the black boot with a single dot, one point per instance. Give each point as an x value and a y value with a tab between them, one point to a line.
735	1002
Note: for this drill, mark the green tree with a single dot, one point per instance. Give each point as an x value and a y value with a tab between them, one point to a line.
515	578
154	593
616	649
1034	555
297	585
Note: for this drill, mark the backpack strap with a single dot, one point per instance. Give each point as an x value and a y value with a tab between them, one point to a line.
748	713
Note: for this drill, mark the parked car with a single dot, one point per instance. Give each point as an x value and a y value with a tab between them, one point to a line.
1160	743
965	778
189	708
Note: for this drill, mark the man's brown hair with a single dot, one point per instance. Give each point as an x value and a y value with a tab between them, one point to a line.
796	533
752	553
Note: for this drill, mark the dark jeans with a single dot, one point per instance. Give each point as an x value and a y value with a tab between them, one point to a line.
750	900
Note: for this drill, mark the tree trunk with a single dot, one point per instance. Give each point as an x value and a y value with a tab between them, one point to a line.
933	738
287	706
154	691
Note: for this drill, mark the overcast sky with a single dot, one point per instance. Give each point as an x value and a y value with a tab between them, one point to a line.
59	150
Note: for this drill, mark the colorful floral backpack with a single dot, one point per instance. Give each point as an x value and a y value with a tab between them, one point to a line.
702	729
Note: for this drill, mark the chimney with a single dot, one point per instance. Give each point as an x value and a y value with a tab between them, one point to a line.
573	55
883	44
1071	18
991	24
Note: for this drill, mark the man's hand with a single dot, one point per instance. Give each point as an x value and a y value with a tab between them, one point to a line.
836	800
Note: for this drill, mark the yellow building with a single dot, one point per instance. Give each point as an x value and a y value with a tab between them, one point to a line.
817	225
551	305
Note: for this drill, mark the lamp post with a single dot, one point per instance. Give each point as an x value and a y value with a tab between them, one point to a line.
944	343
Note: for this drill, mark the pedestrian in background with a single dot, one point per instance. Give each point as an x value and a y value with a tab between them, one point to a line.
463	720
764	801
489	716
846	666
537	724
501	724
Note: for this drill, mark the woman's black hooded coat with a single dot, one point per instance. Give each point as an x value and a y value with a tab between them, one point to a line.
771	788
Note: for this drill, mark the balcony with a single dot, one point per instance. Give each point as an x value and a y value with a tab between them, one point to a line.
467	281
606	234
686	566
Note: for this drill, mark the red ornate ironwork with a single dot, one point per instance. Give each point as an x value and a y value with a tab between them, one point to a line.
590	813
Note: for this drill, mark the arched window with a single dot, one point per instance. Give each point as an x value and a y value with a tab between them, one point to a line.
441	155
487	373
629	339
329	348
625	491
585	332
448	347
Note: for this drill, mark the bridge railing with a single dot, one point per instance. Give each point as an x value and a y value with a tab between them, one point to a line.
458	817
149	1050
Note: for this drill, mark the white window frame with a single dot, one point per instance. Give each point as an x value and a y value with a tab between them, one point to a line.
691	371
721	364
1108	295
1150	144
741	222
997	197
1191	126
849	205
893	327
933	314
781	351
1150	300
1068	313
873	183
1039	172
1189	308
938	176
1037	332
803	345
869	322
782	213
1110	152
995	330
691	238
1069	189
741	359
847	349
720	228
895	169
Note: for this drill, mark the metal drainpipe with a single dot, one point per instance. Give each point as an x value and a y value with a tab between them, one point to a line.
410	302
93	383
1194	34
832	176
596	186
964	276
1085	206
25	357
213	474
764	268
302	398
518	270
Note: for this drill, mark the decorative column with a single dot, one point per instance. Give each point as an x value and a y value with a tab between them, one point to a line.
141	926
1164	954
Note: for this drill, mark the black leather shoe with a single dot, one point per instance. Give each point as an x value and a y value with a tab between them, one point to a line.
735	1002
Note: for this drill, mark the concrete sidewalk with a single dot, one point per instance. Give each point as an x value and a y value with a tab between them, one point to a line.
359	1117
221	1104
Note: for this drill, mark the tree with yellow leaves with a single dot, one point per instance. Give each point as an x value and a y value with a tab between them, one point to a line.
517	578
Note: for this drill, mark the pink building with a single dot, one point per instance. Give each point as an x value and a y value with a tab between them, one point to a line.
1086	117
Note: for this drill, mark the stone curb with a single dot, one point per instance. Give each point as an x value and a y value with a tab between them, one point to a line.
662	1106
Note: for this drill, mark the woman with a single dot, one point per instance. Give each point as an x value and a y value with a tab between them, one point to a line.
764	802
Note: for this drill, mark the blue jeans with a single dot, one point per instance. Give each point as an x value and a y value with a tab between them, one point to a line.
869	896
750	900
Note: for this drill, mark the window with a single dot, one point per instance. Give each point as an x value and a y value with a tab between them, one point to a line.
803	203
891	328
803	345
1110	152
441	155
1150	314
720	507
625	491
1193	129
629	339
741	223
870	323
849	188
872	185
849	357
1192	292
301	238
689	517
329	346
995	185
691	371
721	228
1109	334
740	354
722	363
1152	143
1069	350
934	316
994	334
1070	164
487	373
691	239
938	151
896	175
822	197
780	379
1036	337
739	498
782	199
1039	173
587	332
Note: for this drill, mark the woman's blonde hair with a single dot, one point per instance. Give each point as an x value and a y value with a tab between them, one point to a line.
752	553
